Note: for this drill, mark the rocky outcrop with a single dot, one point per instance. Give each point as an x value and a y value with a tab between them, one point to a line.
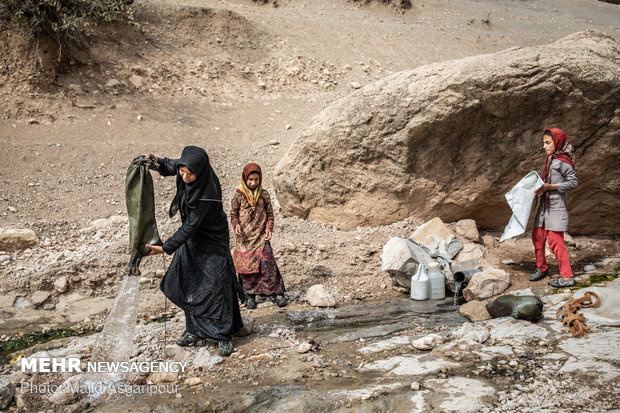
449	139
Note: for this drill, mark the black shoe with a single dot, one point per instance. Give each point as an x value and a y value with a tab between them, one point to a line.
225	348
250	302
562	282
187	339
539	275
279	300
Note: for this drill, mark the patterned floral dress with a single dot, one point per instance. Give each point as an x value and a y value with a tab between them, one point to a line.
252	255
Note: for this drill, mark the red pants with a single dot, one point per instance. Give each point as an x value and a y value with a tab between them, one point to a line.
556	243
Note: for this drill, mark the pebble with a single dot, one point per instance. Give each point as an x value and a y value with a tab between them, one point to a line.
356	85
415	386
12	209
589	267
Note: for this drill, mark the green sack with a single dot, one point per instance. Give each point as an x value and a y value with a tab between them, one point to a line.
140	200
526	307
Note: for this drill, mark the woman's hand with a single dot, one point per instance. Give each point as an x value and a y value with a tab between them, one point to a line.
545	188
153	161
237	229
267	234
155	249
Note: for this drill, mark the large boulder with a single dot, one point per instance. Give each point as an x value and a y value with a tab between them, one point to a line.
449	139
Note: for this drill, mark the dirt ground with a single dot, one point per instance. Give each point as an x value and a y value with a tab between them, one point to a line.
240	79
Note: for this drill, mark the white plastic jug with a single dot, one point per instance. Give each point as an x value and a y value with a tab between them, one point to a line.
437	282
420	285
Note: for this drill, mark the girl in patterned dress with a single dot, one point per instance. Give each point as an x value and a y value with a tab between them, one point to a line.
252	220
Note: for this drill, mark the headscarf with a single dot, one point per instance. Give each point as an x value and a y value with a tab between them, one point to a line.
252	195
563	151
206	187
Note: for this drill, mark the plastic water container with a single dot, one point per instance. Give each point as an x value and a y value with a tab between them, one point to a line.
420	284
437	282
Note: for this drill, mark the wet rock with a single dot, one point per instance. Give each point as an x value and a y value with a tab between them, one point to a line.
17	239
40	297
410	365
486	284
475	310
400	259
205	359
460	394
318	296
467	229
386	345
7	391
437	238
428	342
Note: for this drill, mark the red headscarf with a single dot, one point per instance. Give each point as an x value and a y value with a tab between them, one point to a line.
563	150
252	195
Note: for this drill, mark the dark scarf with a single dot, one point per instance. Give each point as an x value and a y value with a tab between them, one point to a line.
206	187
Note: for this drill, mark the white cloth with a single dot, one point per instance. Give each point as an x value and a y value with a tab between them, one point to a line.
521	200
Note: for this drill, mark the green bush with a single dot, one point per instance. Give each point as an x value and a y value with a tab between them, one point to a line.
69	22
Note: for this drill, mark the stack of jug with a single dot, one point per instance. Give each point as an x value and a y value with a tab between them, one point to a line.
429	285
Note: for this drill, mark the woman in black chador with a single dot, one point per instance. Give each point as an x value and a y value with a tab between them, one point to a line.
201	277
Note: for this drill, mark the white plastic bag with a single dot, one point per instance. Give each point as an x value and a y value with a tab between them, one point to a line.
521	200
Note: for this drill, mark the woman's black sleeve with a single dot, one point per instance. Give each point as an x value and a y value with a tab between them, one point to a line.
167	166
189	227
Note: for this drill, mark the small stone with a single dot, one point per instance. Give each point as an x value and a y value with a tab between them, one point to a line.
12	209
304	348
33	121
355	85
192	381
589	267
415	386
288	126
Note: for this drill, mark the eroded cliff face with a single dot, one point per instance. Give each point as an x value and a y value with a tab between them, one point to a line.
450	139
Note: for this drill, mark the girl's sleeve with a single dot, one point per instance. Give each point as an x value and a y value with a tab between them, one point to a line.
167	166
188	228
235	205
269	210
570	178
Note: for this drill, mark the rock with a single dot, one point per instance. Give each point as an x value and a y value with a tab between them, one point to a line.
21	302
415	386
136	81
475	310
321	271
589	267
428	342
304	348
112	83
61	284
608	313
318	296
355	85
193	381
17	239
437	238
411	142
471	332
467	229
205	359
486	284
470	252
460	394
248	327
40	297
400	259
65	393
7	391
164	377
7	300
